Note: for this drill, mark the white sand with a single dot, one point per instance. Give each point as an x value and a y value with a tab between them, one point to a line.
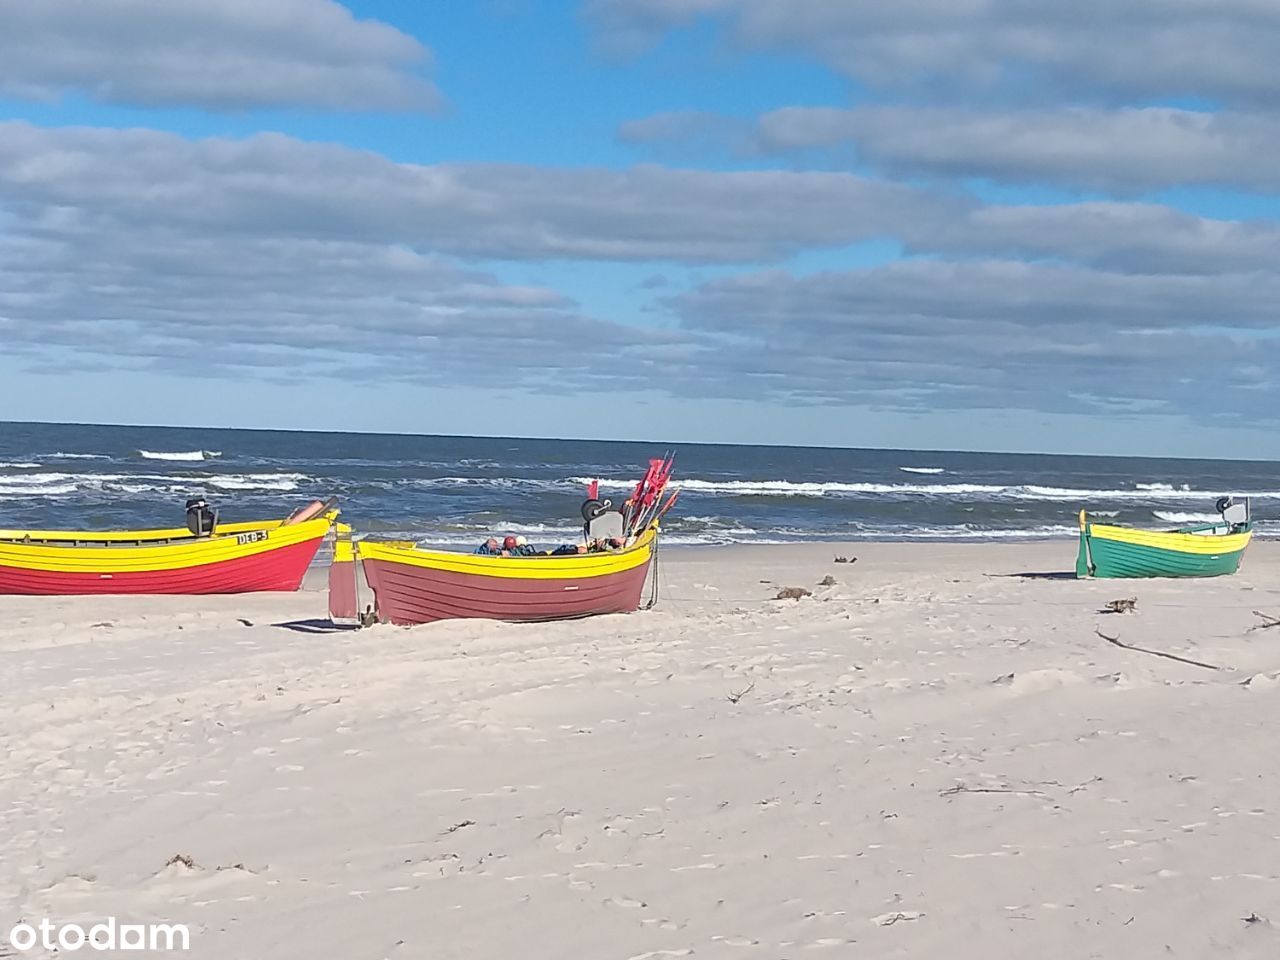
928	759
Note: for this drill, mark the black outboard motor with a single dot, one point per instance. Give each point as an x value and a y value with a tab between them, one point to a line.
201	518
593	508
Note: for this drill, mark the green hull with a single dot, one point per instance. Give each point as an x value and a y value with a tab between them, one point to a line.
1099	557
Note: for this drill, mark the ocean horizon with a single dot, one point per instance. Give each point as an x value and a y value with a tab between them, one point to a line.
455	490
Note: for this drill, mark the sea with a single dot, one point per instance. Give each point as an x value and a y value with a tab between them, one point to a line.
456	491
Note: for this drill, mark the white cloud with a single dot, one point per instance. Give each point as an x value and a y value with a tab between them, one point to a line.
270	257
1135	238
273	185
1122	150
219	54
1224	50
1003	335
279	308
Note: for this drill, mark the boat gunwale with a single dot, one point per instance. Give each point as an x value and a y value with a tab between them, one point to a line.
1234	538
158	537
534	567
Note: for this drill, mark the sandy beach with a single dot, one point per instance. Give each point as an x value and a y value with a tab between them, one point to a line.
936	755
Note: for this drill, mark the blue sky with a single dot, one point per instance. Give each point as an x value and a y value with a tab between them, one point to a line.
986	226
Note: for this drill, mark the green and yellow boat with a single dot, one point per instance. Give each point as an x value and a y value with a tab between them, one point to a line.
1204	550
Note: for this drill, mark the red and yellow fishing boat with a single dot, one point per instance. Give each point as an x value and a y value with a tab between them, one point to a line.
605	574
411	585
206	557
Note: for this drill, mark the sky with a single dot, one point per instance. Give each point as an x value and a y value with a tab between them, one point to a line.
941	224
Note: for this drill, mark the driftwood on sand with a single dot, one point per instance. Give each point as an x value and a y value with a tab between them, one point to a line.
1156	653
1267	621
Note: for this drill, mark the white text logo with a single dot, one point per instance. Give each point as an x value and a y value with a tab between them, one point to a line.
107	935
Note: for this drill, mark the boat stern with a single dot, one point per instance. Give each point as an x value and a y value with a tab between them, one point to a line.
1084	563
344	601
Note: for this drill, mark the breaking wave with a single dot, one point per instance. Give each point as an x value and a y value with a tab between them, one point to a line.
182	455
26	485
458	491
1171	517
788	488
257	481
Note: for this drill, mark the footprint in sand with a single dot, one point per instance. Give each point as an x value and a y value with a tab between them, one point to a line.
1039	681
1262	681
661	924
628	902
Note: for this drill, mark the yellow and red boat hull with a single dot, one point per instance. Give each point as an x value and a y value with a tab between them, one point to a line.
239	558
413	586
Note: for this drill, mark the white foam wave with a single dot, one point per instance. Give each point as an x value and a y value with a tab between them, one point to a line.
62	484
928	470
971	533
78	456
1174	517
34	479
54	490
789	488
1154	491
506	482
183	455
18	465
250	483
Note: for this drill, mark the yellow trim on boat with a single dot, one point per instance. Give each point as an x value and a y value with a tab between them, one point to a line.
1200	544
518	568
344	550
150	550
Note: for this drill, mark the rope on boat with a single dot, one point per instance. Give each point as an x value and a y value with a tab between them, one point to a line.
653	575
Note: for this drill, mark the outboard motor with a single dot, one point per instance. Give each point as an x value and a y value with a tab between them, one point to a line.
1233	513
201	518
591	509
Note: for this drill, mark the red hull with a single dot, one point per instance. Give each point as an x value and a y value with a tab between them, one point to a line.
274	570
343	604
407	594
